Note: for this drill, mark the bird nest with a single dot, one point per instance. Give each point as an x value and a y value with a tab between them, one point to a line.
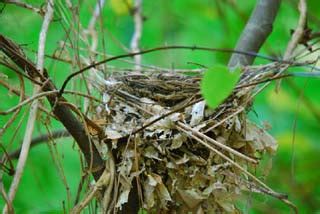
184	156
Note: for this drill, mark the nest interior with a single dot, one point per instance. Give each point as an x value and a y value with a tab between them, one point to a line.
185	156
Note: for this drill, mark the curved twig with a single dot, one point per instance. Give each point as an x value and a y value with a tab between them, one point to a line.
224	50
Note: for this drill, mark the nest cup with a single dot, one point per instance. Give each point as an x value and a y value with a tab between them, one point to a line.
184	156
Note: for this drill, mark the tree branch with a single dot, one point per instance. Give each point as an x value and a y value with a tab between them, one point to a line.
256	32
62	112
33	110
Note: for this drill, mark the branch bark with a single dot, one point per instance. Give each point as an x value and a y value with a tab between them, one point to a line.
256	32
62	111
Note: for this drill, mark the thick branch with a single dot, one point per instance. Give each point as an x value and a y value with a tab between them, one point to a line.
256	32
63	112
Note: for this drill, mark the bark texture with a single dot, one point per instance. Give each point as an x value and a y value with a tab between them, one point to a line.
256	31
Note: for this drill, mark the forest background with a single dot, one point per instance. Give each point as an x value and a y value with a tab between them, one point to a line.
293	114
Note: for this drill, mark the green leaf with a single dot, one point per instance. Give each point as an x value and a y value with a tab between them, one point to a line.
217	83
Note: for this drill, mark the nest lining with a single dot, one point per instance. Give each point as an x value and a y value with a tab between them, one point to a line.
175	168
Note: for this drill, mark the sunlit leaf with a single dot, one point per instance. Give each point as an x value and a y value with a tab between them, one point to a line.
121	7
217	83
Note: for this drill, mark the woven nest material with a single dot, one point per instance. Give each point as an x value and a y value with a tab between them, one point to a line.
187	157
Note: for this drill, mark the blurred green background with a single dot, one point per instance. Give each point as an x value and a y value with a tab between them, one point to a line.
210	23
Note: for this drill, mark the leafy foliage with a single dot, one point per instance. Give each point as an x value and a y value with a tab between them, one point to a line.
217	83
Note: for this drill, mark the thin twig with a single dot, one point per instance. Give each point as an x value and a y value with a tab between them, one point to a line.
14	116
5	197
296	36
166	115
107	193
186	131
201	135
216	143
298	33
135	41
104	181
44	94
25	5
91	31
241	109
29	100
41	139
96	14
34	107
226	158
224	50
62	112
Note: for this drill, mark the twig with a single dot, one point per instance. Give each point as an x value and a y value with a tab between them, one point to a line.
14	116
34	107
5	197
298	33
62	112
241	109
41	139
96	13
224	50
135	41
201	135
8	169
256	32
103	180
29	100
186	131
226	158
25	5
44	94
13	68
107	193
165	115
296	36
92	48
216	143
56	158
43	109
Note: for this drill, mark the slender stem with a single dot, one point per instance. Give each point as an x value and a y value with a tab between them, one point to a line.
135	41
33	110
298	33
